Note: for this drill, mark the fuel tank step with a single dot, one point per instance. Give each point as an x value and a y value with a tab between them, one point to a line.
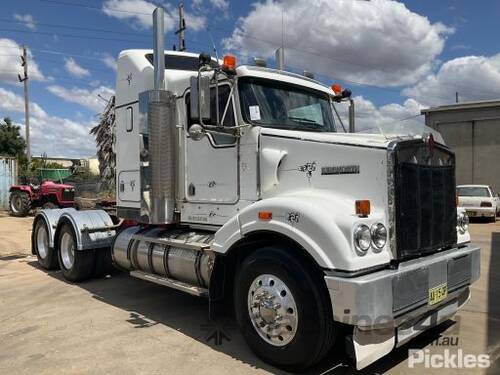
171	283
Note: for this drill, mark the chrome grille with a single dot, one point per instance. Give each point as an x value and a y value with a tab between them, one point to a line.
424	196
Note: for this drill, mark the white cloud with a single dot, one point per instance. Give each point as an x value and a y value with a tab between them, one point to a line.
15	103
27	19
221	4
86	98
55	136
140	12
110	62
10	62
378	42
218	4
386	118
74	69
474	77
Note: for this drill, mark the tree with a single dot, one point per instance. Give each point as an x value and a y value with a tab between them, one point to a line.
11	142
104	136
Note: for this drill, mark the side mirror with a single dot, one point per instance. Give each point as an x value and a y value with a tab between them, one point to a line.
200	98
196	132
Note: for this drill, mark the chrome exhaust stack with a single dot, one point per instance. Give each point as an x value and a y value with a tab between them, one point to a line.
158	153
159	48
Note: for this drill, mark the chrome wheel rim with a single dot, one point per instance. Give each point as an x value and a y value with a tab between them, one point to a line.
67	250
42	241
272	310
16	204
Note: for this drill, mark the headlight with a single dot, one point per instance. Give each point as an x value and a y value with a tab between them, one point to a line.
463	222
379	235
362	237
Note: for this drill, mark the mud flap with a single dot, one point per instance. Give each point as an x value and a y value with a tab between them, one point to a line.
372	345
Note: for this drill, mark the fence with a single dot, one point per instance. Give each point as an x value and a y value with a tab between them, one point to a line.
8	177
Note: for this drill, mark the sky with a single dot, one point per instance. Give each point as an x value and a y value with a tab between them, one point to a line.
397	57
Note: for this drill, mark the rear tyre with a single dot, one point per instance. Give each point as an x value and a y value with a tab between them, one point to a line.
76	265
103	263
19	203
46	255
49	206
282	309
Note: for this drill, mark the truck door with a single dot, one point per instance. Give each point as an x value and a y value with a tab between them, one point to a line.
212	162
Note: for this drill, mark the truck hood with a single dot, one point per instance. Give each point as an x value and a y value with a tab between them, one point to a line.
355	139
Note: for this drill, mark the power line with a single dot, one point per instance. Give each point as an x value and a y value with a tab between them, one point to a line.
69	35
71	27
397	90
274	44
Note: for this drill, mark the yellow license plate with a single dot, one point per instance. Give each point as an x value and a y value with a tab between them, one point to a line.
438	293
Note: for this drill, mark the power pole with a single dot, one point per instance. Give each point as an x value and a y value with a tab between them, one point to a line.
181	29
24	80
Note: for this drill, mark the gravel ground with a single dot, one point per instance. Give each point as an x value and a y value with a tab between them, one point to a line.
120	325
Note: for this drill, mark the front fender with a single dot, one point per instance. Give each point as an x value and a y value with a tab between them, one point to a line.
320	222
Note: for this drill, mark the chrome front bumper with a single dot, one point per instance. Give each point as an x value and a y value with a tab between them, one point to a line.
393	298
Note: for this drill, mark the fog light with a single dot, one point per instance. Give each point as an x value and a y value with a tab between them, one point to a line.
362	237
463	222
379	235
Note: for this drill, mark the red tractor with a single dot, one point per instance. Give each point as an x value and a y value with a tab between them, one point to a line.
47	194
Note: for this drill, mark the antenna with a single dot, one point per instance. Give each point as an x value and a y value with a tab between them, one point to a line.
181	29
213	45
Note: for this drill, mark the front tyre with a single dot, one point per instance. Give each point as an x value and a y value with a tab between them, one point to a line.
76	265
47	256
283	310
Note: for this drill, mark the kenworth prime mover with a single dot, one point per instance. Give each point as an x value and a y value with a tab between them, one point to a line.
234	184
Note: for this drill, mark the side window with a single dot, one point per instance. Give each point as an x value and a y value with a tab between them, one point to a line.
129	121
224	90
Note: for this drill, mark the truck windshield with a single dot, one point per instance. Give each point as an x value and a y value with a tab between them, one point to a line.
285	106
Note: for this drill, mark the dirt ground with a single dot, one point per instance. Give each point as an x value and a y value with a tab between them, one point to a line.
120	325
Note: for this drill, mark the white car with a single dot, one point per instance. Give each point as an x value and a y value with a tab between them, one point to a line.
479	200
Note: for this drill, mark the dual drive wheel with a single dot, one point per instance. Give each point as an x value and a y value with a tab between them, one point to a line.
76	265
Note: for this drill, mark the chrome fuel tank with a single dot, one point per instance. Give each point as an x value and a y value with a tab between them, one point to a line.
172	253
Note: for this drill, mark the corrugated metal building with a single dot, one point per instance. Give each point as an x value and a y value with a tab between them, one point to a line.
472	130
8	177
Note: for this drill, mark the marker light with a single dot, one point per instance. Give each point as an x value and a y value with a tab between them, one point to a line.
229	62
337	89
265	215
363	208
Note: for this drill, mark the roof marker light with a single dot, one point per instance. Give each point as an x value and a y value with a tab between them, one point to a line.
229	63
337	89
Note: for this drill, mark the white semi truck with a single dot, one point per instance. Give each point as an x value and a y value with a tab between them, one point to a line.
235	184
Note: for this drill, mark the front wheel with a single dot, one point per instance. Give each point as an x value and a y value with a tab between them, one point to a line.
282	309
76	265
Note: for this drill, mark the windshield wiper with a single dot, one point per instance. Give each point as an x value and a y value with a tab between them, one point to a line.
304	127
302	119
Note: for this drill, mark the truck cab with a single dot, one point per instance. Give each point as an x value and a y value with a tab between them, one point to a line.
244	188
